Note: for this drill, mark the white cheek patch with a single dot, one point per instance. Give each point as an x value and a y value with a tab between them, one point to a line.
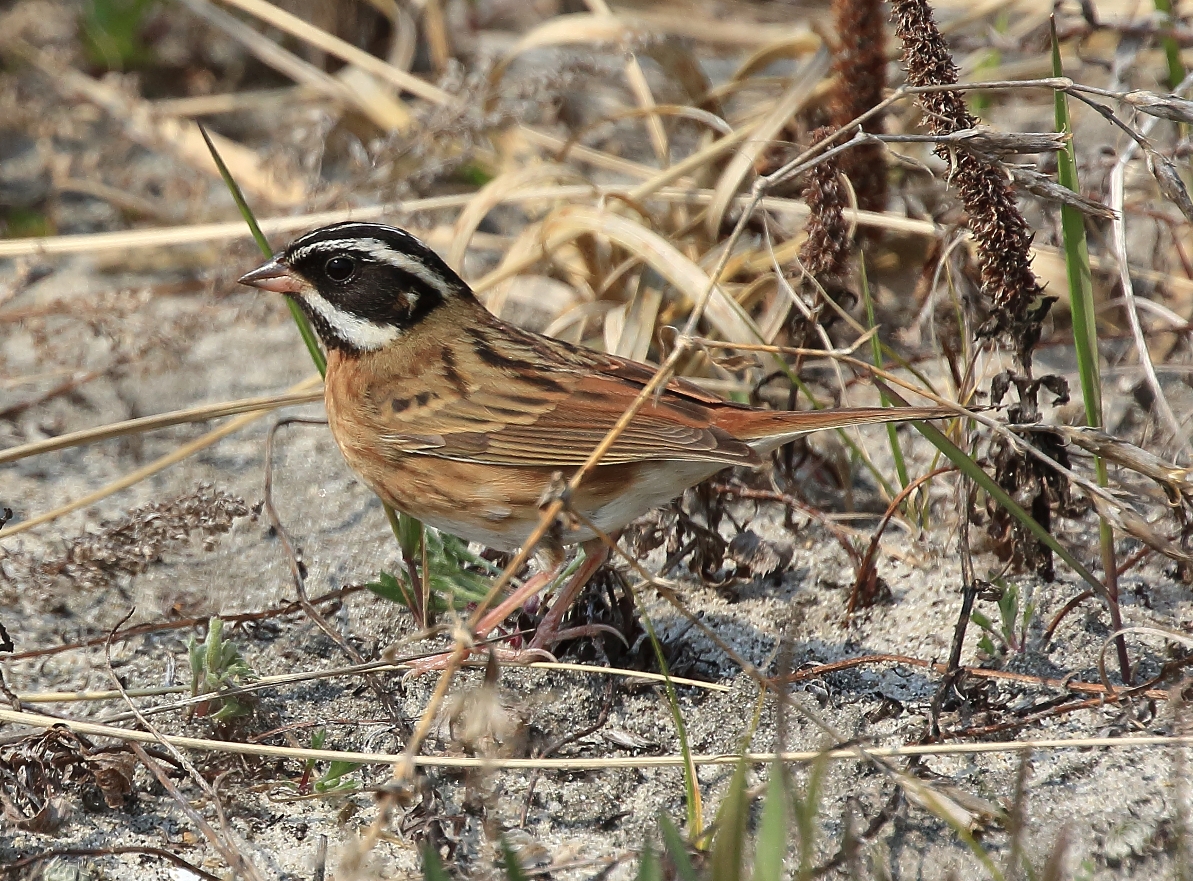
362	335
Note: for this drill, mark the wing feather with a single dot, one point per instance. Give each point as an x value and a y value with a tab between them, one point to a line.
525	421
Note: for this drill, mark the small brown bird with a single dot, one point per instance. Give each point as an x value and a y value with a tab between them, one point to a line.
457	418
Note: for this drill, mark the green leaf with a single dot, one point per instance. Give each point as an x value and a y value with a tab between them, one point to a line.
389	588
980	619
1008	610
649	868
432	866
410	537
513	868
113	30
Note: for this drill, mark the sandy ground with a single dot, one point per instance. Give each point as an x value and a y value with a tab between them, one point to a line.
1118	808
154	331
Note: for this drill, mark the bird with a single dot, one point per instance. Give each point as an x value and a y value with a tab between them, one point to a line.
465	421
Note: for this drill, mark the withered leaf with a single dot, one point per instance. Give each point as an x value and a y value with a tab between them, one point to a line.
760	556
113	774
626	740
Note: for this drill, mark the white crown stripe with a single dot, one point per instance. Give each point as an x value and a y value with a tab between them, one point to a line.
379	250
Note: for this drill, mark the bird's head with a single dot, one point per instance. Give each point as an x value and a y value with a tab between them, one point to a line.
362	285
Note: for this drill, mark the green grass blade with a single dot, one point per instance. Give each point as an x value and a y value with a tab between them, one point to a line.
432	866
304	326
1081	298
397	522
728	858
694	802
1172	51
771	844
1081	288
876	352
513	868
649	867
677	849
972	470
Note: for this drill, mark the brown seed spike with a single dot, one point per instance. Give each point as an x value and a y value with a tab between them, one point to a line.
1003	237
859	62
825	251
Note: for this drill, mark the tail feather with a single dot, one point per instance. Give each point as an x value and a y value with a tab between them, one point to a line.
770	429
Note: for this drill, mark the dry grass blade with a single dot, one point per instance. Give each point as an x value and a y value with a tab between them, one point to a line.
312	675
720	31
441	237
654	125
803	86
1177	480
724	313
1119	227
696	161
500	189
201	413
183	452
759	60
388	113
36	720
234	102
563	148
563	30
696	114
156	133
345	51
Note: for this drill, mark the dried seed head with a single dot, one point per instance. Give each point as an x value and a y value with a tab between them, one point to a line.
1164	106
992	144
859	62
1003	237
826	250
1170	182
1046	188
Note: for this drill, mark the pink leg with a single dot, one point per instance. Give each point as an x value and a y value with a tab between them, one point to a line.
502	610
548	633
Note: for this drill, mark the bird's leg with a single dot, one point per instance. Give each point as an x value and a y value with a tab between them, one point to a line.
498	614
548	632
528	589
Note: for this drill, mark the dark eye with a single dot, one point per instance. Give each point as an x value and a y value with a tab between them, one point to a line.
340	268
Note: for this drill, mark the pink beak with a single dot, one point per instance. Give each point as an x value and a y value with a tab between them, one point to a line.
273	276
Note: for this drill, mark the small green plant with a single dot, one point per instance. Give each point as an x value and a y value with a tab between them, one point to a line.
1015	615
19	223
217	666
441	574
331	781
113	32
